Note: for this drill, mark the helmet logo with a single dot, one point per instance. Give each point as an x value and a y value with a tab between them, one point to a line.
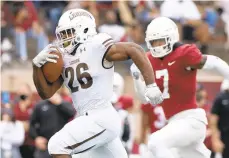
76	14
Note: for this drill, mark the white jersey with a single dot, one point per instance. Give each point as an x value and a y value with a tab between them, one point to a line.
88	76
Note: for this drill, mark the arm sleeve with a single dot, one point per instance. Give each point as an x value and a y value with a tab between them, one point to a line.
214	63
139	84
216	106
105	43
66	109
34	120
192	55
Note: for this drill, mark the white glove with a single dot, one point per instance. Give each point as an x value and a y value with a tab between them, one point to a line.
44	56
153	94
147	94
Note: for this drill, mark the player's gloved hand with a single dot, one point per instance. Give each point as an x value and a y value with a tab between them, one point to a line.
44	56
135	71
153	94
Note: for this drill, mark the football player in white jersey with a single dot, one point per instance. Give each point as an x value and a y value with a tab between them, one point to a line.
88	73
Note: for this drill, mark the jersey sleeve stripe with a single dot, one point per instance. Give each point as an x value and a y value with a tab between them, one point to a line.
109	43
108	40
103	59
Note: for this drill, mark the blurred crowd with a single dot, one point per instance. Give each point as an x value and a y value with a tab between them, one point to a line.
27	123
198	21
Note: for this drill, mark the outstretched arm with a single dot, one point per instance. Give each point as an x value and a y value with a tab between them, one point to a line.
213	63
127	50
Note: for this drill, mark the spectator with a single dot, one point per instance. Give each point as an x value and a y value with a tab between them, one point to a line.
219	31
186	13
26	23
137	35
6	45
202	102
146	11
6	20
181	10
64	92
11	134
111	27
53	11
22	111
224	5
219	121
210	16
49	116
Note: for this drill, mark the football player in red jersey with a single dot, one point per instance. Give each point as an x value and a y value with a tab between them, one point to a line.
175	67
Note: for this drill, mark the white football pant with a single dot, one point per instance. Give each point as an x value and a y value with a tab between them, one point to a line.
94	135
185	132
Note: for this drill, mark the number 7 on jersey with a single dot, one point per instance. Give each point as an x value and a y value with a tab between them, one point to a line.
164	73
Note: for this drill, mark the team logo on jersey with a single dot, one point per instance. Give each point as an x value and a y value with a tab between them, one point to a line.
74	61
171	63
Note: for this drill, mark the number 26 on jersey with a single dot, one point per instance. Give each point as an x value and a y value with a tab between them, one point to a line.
79	75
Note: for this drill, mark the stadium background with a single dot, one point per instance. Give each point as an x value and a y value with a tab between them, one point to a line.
27	26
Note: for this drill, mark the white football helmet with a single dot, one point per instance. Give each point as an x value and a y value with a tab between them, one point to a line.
118	87
75	26
161	28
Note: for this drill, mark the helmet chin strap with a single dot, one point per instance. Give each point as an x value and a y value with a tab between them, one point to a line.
74	50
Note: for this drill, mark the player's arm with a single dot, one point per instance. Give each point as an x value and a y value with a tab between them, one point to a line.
213	124
45	89
213	63
217	144
139	83
196	60
127	50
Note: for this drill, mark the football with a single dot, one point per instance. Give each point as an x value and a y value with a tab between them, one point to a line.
52	71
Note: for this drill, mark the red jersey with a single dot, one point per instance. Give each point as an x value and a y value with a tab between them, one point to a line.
30	18
126	102
176	79
156	116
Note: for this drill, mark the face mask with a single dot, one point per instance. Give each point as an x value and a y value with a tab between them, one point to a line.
23	97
